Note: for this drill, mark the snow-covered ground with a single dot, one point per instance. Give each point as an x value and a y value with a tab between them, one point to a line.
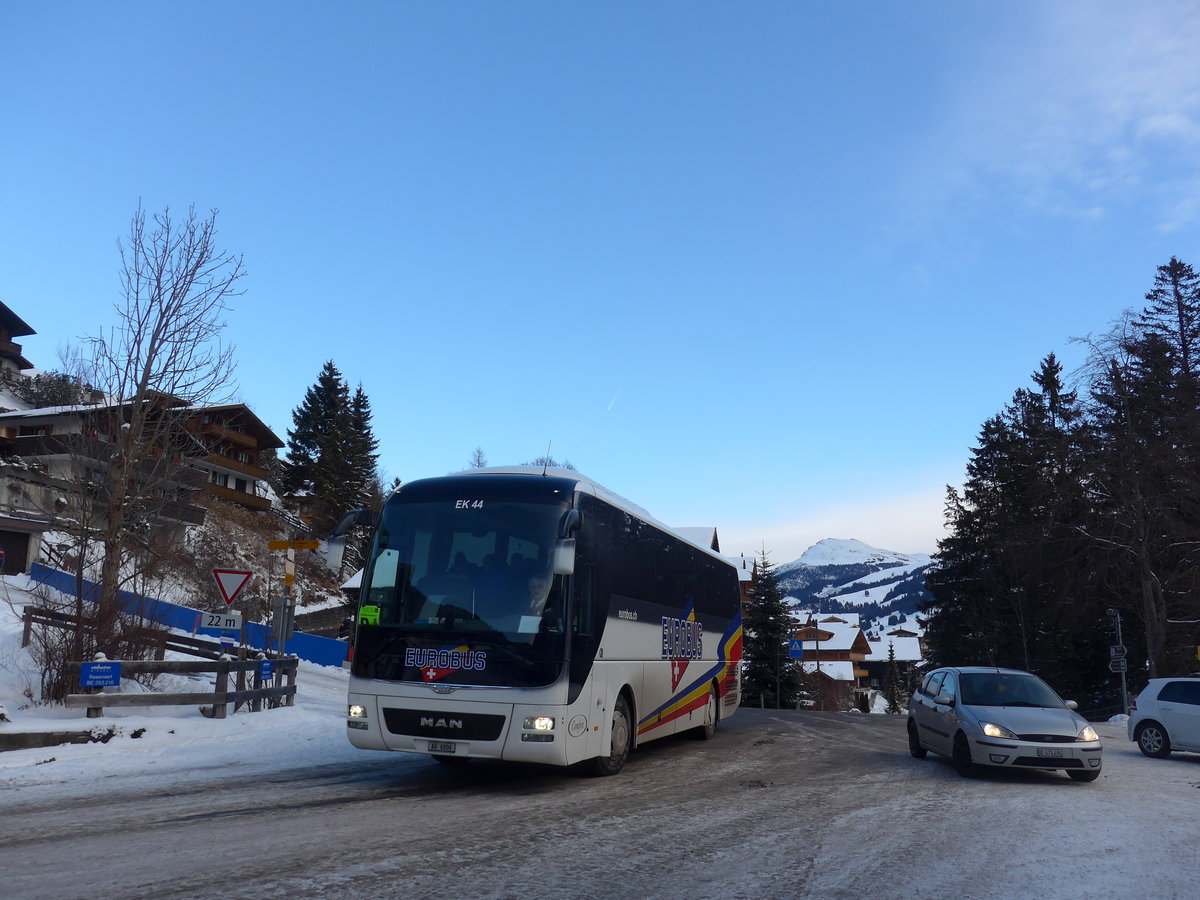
178	739
894	826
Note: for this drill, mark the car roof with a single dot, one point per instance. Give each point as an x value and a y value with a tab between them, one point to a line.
976	670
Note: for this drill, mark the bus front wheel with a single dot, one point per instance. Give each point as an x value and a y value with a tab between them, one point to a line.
622	739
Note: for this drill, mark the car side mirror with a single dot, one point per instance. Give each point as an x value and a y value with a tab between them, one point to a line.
944	699
1071	704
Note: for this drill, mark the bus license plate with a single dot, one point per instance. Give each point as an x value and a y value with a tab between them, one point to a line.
448	747
1049	752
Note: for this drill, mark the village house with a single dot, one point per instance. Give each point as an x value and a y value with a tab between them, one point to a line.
835	650
52	459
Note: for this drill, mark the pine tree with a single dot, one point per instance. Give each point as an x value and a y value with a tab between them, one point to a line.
891	686
769	676
331	450
363	450
1070	508
47	388
1174	314
1147	511
1006	586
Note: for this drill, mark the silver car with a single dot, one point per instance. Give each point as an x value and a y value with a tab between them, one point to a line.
980	716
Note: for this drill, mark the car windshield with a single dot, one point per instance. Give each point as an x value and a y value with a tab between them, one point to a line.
1001	689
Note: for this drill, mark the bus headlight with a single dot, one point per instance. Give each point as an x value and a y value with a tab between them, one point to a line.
539	723
356	717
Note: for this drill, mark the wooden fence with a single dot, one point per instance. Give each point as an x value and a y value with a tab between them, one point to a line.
214	658
284	669
162	640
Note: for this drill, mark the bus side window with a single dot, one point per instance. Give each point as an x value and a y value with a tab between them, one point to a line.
581	613
583	628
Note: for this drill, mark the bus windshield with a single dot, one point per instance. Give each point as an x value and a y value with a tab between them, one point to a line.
460	575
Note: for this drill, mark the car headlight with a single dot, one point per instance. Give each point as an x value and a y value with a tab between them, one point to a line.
356	711
991	729
1088	734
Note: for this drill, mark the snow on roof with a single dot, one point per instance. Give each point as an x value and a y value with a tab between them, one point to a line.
354	582
841	618
744	565
704	535
841	635
838	670
907	649
46	411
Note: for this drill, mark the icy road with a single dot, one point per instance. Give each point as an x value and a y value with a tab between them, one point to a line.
778	805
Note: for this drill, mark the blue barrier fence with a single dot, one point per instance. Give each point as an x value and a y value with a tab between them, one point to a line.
320	650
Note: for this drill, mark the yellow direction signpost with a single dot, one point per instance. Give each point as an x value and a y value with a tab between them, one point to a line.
290	545
288	613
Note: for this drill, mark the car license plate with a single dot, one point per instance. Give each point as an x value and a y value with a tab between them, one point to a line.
448	747
1050	752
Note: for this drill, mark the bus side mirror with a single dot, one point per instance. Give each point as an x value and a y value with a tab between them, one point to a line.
570	523
335	547
564	556
353	519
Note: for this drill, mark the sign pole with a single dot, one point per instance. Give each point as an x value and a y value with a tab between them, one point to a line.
287	615
289	608
1116	614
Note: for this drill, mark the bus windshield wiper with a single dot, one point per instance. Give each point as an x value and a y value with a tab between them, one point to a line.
511	654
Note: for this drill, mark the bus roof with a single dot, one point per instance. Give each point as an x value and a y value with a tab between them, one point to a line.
591	486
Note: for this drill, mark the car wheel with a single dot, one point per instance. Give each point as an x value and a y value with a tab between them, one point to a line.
962	757
1152	740
914	742
1090	775
622	740
706	731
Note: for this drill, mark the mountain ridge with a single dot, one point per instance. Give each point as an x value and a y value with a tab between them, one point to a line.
837	575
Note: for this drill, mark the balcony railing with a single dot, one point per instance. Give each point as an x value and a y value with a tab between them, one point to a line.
224	433
174	511
228	462
79	446
250	501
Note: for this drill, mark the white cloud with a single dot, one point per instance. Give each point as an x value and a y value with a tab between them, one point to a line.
1077	108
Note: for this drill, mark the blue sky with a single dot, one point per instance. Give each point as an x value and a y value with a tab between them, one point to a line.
767	266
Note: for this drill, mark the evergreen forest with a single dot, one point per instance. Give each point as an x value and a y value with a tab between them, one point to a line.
1081	510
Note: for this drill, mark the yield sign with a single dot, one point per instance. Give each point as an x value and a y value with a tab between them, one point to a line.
230	581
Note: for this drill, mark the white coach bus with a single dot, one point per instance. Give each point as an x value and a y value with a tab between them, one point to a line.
530	614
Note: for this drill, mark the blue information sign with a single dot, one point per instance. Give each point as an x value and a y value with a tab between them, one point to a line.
99	674
266	669
796	649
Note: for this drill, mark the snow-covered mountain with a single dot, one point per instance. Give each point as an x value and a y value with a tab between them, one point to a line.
834	576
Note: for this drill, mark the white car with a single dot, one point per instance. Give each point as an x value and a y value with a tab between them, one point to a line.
1165	716
978	716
